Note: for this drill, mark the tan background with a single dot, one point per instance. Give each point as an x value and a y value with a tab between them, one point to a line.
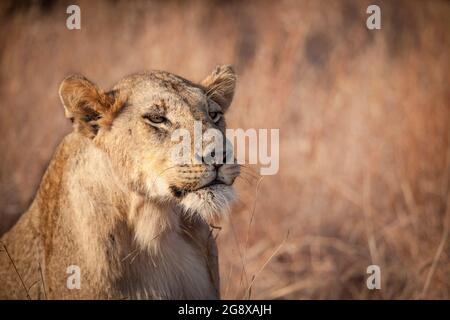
364	120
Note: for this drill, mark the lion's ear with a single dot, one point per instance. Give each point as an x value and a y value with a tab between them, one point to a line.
220	84
87	106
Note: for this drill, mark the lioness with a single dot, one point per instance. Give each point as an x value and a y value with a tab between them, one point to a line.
113	207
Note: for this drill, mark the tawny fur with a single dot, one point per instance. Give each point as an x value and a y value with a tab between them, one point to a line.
105	205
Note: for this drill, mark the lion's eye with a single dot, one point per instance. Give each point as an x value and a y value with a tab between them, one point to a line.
215	116
154	118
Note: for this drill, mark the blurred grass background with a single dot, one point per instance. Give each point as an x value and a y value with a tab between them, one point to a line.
364	120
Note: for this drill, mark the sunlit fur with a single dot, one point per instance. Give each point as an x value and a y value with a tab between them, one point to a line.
114	203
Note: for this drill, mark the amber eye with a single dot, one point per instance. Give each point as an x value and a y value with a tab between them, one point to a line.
154	118
215	116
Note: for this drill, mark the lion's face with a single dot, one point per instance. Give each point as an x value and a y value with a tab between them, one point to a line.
138	125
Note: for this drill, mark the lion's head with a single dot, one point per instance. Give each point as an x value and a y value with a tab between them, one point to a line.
134	124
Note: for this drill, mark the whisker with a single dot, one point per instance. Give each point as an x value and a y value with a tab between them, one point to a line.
244	179
250	175
249	170
160	174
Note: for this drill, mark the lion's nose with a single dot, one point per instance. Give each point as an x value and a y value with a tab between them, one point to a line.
210	158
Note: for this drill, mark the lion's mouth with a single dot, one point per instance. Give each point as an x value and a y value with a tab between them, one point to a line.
181	192
212	183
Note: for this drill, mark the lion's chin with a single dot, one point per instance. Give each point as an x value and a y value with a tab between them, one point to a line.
211	203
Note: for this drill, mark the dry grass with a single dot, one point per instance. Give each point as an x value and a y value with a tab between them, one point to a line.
364	117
